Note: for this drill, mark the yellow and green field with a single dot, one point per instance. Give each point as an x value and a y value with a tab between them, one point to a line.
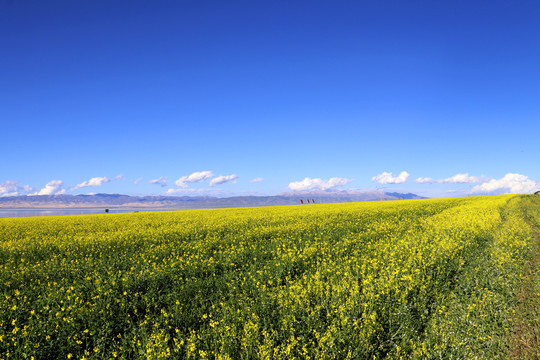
435	278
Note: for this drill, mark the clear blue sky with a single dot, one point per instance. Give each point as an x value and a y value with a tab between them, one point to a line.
278	90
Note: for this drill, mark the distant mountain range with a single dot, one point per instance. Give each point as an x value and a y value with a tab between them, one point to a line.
117	201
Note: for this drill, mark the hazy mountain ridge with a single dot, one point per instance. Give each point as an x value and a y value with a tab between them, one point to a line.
188	202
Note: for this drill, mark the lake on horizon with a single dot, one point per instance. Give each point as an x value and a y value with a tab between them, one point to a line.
24	213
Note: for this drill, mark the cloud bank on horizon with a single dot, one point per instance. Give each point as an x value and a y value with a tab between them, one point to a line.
511	183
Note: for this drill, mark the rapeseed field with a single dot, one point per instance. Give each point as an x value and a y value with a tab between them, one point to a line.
404	279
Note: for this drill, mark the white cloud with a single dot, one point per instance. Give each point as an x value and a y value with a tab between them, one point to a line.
509	184
318	184
464	179
137	181
425	180
389	178
456	179
120	177
198	192
13	188
96	181
197	176
52	188
256	180
161	181
223	179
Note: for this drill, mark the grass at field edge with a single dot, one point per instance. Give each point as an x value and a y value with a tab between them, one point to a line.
525	343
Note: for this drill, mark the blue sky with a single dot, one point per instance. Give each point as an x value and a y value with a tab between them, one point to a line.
204	97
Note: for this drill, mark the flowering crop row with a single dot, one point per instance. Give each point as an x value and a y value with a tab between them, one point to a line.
413	279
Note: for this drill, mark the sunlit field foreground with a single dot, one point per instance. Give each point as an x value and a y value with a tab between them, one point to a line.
418	279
